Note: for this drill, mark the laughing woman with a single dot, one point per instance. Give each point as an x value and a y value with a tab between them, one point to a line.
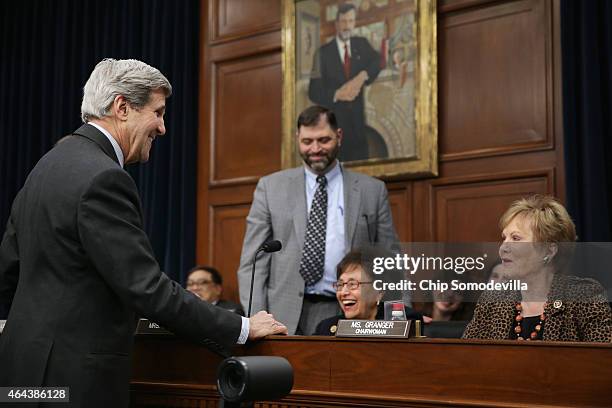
357	297
538	237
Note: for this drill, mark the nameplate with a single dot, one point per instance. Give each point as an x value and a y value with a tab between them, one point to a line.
145	326
373	328
2	323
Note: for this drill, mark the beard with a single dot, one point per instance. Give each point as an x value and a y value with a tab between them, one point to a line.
322	164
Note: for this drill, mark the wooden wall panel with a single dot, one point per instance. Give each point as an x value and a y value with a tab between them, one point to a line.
500	126
234	19
247	118
227	235
494	80
465	212
400	202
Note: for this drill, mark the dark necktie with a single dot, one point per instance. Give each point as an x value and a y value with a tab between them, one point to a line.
313	255
347	62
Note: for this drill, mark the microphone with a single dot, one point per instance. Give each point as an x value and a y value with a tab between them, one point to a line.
268	246
271	246
243	380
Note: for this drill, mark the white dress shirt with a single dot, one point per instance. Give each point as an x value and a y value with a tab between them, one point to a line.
116	147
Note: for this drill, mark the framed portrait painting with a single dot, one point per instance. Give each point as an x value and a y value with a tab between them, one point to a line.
373	62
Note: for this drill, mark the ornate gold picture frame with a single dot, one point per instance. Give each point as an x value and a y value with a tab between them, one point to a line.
390	122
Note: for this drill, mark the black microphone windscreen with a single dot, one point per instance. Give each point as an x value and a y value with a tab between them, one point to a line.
272	246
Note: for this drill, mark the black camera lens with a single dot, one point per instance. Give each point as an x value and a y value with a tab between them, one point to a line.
231	380
254	378
235	379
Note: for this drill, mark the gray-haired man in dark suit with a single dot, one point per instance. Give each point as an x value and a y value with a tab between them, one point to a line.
75	263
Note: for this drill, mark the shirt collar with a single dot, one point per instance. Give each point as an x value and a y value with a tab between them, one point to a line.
111	139
341	43
311	177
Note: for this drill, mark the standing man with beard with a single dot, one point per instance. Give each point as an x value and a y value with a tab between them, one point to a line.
319	211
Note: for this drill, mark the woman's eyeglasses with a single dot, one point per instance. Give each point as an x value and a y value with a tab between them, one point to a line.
351	285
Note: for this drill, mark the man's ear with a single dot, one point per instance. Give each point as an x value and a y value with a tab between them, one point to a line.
339	134
120	107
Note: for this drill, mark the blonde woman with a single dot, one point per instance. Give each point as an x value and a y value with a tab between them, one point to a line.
537	235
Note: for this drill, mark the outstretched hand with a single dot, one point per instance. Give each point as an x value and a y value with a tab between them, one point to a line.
263	324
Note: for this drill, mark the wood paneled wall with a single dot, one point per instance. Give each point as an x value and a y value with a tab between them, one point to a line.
500	125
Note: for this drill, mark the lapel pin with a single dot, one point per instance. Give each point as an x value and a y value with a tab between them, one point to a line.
557	304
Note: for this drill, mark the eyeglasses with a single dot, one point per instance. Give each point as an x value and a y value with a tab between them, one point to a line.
201	282
351	285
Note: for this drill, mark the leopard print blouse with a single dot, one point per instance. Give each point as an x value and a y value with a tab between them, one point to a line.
577	310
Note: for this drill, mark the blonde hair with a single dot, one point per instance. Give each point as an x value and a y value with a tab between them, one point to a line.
550	221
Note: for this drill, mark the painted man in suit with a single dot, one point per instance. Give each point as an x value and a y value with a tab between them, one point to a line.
207	283
75	263
319	212
341	70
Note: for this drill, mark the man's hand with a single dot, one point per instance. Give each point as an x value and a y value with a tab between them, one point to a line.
263	324
347	92
344	94
351	89
360	79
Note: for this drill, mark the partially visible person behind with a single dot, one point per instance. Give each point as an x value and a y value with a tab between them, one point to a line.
207	284
450	313
449	305
538	236
496	273
356	295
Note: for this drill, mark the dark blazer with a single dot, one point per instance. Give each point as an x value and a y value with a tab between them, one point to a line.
577	310
231	306
79	268
329	326
328	75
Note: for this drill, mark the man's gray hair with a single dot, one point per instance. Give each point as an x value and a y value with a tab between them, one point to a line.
130	78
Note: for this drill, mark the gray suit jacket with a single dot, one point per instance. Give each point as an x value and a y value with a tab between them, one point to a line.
279	212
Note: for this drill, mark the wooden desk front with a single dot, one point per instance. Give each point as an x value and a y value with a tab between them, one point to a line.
387	373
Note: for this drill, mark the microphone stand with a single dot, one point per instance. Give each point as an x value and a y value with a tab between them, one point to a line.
253	280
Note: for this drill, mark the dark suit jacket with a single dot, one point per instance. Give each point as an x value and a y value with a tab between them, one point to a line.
78	268
231	306
328	75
